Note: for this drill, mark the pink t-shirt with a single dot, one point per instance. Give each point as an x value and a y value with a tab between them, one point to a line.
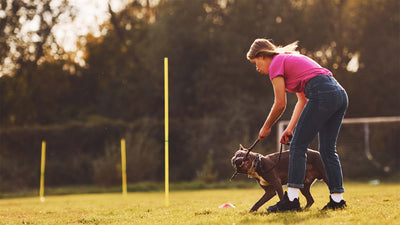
296	69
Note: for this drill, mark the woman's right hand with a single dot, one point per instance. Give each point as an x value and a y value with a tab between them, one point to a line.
264	132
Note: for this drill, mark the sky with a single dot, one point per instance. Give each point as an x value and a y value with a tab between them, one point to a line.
90	15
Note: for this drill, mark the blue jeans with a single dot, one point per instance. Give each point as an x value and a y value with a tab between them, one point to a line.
322	115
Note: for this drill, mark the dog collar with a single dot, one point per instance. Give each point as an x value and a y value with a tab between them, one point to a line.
257	162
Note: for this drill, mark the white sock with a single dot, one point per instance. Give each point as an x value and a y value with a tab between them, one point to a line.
292	193
337	197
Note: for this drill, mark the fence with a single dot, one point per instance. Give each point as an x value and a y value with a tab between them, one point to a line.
366	123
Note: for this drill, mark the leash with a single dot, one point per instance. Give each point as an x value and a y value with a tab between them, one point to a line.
279	159
255	142
259	160
245	157
251	147
280	153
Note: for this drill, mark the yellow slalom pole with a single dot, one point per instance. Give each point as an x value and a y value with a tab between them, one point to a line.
123	165
166	131
42	166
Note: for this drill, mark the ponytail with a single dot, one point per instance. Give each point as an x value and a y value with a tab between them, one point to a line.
264	47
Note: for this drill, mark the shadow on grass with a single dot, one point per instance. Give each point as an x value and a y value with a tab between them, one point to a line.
283	217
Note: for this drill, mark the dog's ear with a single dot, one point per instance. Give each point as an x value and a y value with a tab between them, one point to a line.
241	147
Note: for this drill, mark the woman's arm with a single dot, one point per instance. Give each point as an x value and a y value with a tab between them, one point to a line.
277	109
301	102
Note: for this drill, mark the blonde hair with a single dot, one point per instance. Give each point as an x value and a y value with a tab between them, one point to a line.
264	47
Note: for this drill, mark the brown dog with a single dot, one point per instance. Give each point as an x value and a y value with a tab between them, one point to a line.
271	177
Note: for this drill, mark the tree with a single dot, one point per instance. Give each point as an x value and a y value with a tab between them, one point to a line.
26	32
375	87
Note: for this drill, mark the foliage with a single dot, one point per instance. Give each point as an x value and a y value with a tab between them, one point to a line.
26	33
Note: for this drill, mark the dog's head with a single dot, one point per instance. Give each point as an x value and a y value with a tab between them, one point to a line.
239	161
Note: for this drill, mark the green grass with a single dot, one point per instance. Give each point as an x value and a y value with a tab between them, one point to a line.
367	204
241	182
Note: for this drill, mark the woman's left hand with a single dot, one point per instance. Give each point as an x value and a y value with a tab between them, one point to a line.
286	136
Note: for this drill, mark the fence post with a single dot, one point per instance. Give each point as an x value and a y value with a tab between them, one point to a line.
42	167
123	165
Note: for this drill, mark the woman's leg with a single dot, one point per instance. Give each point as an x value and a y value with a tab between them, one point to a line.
328	135
306	129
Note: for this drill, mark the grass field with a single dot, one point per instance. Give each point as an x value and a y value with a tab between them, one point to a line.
367	204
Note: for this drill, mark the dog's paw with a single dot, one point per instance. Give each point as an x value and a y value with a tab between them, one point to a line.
252	210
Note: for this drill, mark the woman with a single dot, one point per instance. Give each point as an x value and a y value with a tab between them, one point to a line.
320	109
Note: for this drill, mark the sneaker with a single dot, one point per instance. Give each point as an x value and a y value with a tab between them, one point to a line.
335	205
285	205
